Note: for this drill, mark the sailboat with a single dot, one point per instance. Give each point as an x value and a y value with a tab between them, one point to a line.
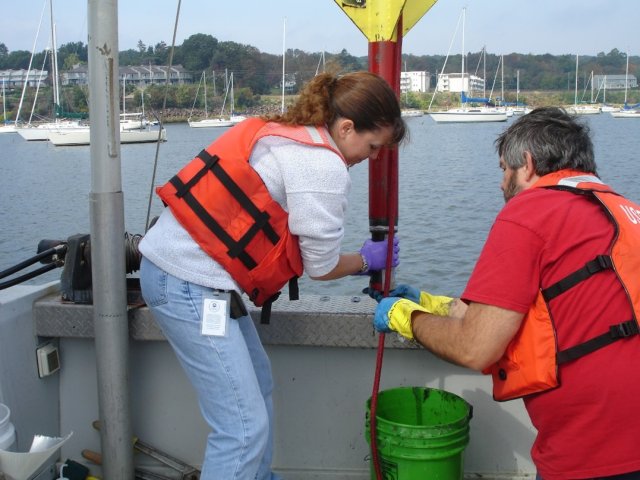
465	113
133	120
627	111
41	131
7	127
605	107
134	128
221	120
581	109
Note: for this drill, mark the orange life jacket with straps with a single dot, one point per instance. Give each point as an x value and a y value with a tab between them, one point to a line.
531	361
225	206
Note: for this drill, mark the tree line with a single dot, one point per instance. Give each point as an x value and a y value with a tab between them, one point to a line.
261	72
257	73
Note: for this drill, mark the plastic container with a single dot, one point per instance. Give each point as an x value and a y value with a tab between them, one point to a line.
421	434
7	431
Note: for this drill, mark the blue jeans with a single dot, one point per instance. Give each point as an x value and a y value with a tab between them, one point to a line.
231	375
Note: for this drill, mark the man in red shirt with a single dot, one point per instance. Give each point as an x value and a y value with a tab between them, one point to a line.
551	309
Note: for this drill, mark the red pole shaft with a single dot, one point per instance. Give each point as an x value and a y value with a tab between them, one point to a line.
385	59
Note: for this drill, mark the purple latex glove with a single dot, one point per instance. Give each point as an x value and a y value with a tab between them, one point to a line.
375	254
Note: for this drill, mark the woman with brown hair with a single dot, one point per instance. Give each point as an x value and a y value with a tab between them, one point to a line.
263	203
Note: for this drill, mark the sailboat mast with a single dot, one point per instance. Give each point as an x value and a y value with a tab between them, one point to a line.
204	82
233	105
626	80
575	96
502	78
484	70
33	51
54	66
4	104
464	14
284	30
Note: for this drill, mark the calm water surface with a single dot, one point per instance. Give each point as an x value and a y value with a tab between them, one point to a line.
449	194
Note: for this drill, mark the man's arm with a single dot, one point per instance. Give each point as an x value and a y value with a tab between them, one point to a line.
473	337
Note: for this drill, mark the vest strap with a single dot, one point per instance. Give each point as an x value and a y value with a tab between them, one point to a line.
294	292
260	218
616	332
235	249
218	231
598	264
181	187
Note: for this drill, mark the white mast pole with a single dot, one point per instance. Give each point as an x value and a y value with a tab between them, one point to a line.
284	29
107	243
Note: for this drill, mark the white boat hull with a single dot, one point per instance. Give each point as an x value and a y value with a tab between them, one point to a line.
412	113
583	110
8	129
82	137
41	132
468	115
217	122
626	114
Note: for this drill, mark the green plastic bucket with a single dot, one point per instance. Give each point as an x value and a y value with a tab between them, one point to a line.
421	434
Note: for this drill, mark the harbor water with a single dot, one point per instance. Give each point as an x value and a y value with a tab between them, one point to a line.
448	194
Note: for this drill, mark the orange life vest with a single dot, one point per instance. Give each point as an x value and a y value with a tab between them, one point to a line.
225	206
531	360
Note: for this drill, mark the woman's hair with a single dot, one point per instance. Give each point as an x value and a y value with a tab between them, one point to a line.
362	97
554	139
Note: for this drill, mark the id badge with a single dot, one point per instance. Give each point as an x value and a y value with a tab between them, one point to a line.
215	313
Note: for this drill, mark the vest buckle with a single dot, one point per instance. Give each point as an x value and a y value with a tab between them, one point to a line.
624	329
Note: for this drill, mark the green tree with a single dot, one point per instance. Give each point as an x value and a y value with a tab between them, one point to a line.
70	61
155	96
4	53
184	95
129	57
18	59
76	49
196	52
161	54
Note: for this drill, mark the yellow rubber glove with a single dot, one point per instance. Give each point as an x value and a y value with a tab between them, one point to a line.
436	304
393	314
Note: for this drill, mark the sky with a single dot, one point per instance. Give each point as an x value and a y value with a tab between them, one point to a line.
582	27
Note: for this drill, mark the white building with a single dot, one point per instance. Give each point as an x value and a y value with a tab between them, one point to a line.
456	83
414	82
141	75
17	78
614	82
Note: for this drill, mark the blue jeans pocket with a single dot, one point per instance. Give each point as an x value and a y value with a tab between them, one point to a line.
153	282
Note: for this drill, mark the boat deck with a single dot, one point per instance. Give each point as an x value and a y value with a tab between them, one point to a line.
323	355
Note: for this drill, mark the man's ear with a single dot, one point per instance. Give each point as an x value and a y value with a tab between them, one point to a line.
530	167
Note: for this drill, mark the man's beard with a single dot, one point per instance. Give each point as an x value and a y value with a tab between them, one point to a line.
512	188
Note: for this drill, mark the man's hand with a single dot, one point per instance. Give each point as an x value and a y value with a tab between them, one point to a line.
393	314
435	304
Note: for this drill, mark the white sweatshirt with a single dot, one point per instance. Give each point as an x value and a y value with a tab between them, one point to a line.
310	183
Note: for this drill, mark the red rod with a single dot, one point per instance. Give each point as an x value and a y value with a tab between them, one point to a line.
385	59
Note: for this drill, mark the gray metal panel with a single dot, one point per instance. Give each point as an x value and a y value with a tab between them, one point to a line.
314	320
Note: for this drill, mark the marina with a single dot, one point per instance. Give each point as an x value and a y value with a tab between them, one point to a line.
322	348
84	365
